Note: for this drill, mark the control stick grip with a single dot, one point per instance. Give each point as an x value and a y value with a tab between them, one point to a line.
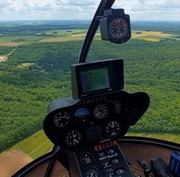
160	168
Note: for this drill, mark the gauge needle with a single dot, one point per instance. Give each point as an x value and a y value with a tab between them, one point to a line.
92	174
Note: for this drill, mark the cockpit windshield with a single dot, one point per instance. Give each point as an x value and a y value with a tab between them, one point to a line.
130	69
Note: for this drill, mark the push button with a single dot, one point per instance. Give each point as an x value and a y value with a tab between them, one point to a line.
120	171
115	161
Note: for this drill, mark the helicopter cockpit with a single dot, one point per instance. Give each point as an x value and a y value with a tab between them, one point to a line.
89	125
88	128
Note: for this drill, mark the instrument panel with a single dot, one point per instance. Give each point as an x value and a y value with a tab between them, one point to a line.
90	120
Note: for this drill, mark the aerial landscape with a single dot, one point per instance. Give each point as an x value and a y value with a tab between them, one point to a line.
62	114
35	60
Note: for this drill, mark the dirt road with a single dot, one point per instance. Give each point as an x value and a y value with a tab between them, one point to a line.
12	161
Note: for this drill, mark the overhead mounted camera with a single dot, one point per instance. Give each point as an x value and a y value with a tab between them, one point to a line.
115	26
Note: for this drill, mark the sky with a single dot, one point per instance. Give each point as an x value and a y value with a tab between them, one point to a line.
166	10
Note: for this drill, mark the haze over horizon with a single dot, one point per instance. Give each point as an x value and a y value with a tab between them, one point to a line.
141	10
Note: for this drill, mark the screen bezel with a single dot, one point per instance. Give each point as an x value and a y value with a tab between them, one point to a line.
115	71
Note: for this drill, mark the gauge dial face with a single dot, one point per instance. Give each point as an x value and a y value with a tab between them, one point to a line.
73	138
86	158
113	129
61	119
117	106
100	111
118	28
91	173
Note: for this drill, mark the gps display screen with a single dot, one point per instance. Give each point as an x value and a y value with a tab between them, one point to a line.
95	79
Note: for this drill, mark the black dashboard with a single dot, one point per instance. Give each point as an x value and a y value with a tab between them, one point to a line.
87	125
78	123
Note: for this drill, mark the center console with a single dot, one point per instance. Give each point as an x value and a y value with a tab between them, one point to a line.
104	159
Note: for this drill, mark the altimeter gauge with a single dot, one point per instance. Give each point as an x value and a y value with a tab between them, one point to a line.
61	119
113	129
100	111
73	138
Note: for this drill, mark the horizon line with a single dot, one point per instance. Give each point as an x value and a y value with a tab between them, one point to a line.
31	20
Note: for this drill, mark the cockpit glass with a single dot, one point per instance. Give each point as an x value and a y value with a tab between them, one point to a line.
39	42
95	79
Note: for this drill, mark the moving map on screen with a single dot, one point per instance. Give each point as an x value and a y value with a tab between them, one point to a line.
95	79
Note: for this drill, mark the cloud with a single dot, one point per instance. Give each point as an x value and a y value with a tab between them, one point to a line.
46	9
83	9
161	3
151	9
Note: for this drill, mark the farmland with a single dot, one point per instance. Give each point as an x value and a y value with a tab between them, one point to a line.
74	35
154	36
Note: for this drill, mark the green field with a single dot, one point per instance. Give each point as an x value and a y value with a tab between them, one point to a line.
36	145
166	137
73	35
43	36
154	36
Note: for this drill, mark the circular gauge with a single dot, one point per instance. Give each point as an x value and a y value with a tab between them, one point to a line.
118	106
82	114
86	158
73	138
113	129
91	173
118	28
100	111
61	119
